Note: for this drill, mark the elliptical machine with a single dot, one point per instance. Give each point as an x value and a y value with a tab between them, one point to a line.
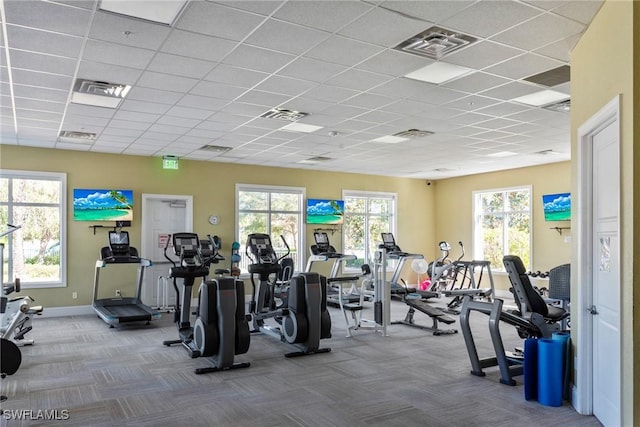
221	328
303	319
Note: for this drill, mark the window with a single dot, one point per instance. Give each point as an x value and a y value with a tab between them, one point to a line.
272	210
36	202
366	216
502	225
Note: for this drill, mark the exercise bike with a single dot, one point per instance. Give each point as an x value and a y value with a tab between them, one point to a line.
221	328
302	318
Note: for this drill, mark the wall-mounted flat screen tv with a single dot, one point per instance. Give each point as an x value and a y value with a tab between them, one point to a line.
557	207
102	205
325	211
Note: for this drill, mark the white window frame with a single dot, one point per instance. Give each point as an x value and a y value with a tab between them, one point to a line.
300	191
52	176
368	258
478	243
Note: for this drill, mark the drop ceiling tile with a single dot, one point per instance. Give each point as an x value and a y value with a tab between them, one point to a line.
198	46
125	124
560	50
161	81
36	124
244	109
383	27
154	95
143	106
503	109
285	85
540	31
43	42
108	73
36	104
120	29
323	15
358	80
217	20
490	17
183	122
394	63
482	54
311	69
267	99
49	81
258	59
476	82
472	102
523	66
169	129
126	134
438	95
368	100
180	65
235	76
48	116
202	102
47	16
433	10
470	118
403	88
262	7
579	10
285	37
307	105
330	93
111	53
379	116
344	51
136	116
510	91
38	62
159	136
191	113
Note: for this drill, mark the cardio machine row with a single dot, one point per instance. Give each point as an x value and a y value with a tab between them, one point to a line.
294	312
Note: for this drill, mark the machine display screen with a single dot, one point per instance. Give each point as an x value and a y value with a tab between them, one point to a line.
387	239
121	238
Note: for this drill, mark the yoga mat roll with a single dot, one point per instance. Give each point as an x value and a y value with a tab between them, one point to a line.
530	369
565	337
550	371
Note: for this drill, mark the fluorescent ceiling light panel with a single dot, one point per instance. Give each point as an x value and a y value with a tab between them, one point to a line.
502	154
544	97
300	127
163	11
95	100
390	139
439	72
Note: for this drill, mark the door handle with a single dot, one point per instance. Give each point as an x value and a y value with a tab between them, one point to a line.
592	310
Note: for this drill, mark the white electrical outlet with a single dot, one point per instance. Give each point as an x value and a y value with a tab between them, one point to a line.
118	294
74	295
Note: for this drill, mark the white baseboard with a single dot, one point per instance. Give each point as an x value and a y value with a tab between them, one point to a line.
74	310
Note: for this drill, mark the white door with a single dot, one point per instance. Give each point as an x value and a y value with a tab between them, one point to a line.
606	276
162	215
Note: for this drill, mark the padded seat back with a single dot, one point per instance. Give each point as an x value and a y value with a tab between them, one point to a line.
528	300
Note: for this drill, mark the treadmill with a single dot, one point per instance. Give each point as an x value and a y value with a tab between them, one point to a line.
394	252
120	309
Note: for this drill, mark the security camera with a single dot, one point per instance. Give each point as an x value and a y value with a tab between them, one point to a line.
429	183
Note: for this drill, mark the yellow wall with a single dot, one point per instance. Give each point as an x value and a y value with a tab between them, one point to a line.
602	66
454	219
213	188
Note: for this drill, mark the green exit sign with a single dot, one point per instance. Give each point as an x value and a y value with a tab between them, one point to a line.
169	162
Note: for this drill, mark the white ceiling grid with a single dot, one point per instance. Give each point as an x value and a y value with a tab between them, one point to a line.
207	78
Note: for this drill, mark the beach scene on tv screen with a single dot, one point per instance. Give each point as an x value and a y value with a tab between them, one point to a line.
102	205
325	211
557	207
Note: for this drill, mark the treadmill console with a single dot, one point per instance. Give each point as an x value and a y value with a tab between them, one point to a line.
322	246
119	243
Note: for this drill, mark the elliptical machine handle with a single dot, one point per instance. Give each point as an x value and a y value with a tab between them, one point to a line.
166	245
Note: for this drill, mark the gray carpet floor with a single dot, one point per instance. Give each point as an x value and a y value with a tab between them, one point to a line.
124	376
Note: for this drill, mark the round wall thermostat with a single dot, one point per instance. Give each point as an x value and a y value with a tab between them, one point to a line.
213	219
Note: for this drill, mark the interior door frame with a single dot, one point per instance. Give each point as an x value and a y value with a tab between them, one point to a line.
147	197
582	398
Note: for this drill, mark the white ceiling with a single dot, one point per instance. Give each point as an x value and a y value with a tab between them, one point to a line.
206	79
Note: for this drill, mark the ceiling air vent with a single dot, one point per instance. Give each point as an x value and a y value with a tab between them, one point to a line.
215	148
413	133
562	106
284	114
552	77
315	160
73	134
91	87
435	43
